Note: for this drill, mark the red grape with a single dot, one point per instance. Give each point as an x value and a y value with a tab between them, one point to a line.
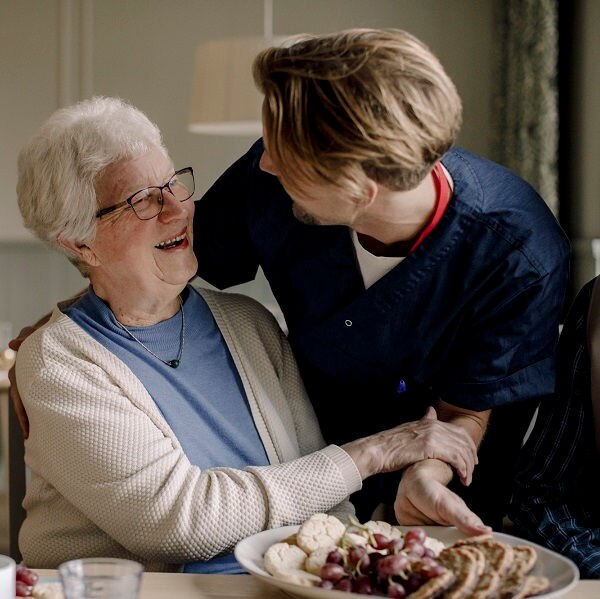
414	548
326	584
23	590
25	580
356	554
426	563
415	534
362	584
391	565
24	574
434	571
333	572
364	565
335	557
380	541
395	545
344	585
396	591
413	582
375	557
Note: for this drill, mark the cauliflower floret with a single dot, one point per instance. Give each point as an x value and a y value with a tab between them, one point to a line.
434	544
316	560
384	528
282	557
295	576
319	531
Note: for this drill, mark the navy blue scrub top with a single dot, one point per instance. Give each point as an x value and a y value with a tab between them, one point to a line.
471	316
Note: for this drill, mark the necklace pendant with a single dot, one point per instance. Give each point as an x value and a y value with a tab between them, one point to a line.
174	363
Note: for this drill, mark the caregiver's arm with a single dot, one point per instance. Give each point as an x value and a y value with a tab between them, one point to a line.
423	496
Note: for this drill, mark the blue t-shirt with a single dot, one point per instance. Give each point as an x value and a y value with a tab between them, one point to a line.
203	400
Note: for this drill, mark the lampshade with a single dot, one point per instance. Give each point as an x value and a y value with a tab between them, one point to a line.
225	100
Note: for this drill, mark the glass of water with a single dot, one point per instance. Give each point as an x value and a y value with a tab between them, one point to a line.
7	576
100	578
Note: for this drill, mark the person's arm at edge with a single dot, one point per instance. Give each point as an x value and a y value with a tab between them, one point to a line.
551	480
593	339
15	344
556	462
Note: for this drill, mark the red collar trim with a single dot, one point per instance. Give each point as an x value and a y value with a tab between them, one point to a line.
443	193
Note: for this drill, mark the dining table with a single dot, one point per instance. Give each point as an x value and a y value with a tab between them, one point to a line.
159	585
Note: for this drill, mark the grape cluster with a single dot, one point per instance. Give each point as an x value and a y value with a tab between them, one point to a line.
26	580
396	568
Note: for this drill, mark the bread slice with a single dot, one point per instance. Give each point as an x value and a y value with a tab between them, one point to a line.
435	587
463	563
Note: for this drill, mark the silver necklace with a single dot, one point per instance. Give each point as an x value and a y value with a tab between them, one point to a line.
172	363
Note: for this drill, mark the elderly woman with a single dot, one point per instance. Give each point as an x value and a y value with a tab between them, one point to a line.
166	423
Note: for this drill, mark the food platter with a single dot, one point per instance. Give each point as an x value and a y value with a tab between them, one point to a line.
561	572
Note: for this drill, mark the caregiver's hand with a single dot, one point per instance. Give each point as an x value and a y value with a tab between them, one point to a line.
423	499
399	447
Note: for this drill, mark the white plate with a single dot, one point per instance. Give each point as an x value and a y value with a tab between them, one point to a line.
562	572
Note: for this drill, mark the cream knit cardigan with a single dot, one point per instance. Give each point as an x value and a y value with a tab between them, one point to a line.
109	478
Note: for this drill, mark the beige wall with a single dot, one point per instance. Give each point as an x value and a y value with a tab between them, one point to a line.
53	52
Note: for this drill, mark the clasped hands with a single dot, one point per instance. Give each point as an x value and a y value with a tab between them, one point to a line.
427	450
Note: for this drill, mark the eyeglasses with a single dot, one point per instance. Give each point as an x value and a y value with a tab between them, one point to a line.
148	203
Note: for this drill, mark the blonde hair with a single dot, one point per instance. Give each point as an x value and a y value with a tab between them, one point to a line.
58	167
357	103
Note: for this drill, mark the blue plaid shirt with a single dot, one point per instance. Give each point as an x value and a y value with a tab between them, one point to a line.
557	502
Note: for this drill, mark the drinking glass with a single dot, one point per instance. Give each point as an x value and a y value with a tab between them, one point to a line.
100	578
8	576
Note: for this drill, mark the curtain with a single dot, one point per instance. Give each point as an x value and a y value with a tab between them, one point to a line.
526	131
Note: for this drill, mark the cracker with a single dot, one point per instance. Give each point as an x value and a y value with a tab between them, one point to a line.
464	565
480	562
487	586
511	584
472	540
525	558
498	556
435	586
534	585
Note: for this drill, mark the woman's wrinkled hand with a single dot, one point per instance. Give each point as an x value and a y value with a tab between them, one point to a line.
406	444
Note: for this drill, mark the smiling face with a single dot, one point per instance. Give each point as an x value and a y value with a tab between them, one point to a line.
148	258
314	202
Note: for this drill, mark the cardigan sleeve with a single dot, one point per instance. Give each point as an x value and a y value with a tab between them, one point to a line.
103	451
